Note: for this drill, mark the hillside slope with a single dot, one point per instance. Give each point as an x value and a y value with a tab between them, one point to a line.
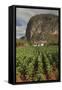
43	27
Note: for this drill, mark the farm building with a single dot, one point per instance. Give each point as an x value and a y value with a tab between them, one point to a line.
39	43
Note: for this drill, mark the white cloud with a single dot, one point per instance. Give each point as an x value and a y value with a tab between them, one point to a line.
27	13
20	31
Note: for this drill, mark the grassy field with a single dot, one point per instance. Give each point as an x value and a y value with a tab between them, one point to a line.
36	63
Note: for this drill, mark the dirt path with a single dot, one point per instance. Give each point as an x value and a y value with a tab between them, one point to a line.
18	79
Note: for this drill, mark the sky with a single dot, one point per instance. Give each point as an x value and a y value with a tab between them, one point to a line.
23	16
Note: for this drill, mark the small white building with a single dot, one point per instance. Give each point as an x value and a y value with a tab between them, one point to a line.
42	44
39	43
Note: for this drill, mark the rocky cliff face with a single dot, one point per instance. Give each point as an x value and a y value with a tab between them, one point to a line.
42	27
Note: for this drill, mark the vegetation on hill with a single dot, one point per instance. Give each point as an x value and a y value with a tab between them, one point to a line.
43	27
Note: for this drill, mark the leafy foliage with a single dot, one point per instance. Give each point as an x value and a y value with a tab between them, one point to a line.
37	63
